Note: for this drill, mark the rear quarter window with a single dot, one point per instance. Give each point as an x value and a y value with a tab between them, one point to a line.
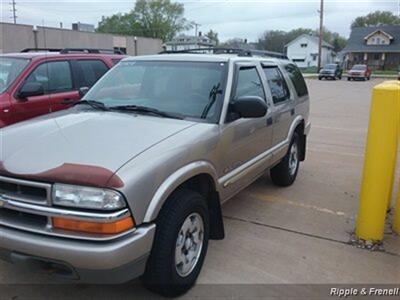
297	79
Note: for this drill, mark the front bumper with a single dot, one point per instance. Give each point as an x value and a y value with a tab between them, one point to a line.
356	75
114	261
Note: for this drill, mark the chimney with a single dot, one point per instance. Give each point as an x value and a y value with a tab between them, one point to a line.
199	33
245	41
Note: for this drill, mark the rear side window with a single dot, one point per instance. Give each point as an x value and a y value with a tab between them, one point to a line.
249	83
279	89
297	79
116	60
54	76
92	70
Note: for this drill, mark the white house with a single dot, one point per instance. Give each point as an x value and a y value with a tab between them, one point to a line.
187	42
303	51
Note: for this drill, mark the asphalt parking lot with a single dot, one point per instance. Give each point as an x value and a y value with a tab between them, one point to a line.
299	234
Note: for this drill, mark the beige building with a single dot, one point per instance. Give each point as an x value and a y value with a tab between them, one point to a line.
15	37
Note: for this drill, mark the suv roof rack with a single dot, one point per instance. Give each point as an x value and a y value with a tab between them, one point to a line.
40	50
91	50
238	51
74	50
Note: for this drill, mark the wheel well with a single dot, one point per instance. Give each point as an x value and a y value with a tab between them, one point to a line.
303	139
205	186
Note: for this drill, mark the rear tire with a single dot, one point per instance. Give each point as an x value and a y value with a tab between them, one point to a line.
180	244
285	173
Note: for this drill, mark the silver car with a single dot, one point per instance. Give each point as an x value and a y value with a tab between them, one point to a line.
129	181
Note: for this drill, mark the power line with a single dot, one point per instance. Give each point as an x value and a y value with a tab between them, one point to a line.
14	11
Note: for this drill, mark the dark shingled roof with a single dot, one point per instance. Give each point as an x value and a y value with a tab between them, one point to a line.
356	42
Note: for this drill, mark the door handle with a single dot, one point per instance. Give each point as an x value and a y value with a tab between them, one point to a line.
67	101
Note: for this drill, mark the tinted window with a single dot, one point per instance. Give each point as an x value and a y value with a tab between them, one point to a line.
279	89
359	67
297	79
92	70
10	68
249	83
116	60
55	76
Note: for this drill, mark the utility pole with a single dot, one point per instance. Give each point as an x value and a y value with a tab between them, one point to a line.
321	33
14	11
196	27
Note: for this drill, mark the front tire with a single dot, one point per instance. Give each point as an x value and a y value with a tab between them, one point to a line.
180	244
285	173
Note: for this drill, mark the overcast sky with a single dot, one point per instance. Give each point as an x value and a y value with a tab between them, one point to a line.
230	18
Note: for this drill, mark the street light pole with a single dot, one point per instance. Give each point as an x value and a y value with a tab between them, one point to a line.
321	33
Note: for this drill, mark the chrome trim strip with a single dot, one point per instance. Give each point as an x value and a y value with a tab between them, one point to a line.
64	213
249	166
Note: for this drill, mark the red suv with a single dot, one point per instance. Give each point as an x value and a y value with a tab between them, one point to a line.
359	72
37	83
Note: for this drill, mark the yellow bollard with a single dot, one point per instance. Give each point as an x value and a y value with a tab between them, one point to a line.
380	159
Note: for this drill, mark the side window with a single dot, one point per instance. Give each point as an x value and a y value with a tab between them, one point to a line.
249	83
297	79
279	89
54	76
116	60
91	70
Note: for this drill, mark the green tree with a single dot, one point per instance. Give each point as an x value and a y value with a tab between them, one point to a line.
275	40
213	36
156	18
119	24
376	18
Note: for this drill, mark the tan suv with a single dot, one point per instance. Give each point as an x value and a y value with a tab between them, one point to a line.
129	181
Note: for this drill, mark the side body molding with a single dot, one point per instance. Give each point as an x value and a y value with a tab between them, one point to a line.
173	181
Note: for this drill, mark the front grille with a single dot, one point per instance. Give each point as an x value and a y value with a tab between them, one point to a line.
26	191
23	219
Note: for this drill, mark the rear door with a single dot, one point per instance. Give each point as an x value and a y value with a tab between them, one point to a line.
283	101
59	90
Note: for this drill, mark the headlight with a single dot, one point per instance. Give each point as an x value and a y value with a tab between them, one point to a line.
87	197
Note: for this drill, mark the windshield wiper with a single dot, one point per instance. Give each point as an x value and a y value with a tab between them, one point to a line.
145	109
215	90
93	103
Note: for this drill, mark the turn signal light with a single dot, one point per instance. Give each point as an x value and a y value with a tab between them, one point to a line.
94	227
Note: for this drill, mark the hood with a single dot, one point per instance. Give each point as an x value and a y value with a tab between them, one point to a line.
81	147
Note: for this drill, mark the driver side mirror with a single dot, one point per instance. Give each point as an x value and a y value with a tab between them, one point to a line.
250	106
30	89
83	91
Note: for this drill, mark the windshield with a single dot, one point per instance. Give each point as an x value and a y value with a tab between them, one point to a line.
330	66
10	68
359	67
189	89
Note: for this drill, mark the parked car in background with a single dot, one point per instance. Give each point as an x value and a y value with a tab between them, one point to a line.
134	174
359	72
34	83
331	71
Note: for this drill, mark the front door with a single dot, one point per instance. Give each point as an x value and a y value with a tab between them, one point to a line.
245	140
59	93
